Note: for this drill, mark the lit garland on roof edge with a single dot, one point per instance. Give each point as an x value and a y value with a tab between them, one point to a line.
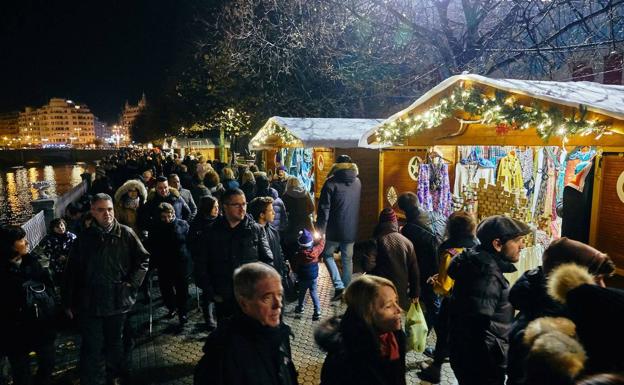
274	129
500	110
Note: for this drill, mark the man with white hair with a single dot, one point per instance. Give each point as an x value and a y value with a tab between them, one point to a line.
253	346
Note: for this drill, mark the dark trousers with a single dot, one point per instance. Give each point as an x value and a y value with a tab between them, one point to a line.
225	309
101	333
431	302
20	365
442	333
174	289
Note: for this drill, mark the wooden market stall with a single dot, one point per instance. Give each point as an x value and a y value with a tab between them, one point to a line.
322	140
207	147
473	110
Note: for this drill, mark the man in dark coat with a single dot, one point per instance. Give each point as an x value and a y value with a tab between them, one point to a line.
480	312
174	181
104	271
149	214
233	240
261	209
252	347
338	217
426	231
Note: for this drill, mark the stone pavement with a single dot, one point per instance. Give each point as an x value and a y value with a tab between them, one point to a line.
169	354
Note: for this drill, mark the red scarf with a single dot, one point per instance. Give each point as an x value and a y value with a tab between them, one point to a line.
389	346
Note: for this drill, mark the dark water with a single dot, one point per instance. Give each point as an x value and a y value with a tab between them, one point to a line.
16	191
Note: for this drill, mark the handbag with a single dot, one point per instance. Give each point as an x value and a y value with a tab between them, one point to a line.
416	329
289	283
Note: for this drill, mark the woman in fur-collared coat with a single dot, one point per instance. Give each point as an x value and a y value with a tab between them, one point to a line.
128	199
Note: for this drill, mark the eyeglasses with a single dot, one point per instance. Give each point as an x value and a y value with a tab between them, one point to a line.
237	205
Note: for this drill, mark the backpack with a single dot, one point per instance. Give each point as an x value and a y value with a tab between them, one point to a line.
40	305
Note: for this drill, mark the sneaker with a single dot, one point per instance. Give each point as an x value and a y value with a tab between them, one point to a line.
298	309
316	316
338	295
430	374
429	352
171	314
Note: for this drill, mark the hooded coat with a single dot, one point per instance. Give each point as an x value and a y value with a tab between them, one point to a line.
480	316
300	207
354	353
426	231
126	215
396	261
263	190
339	204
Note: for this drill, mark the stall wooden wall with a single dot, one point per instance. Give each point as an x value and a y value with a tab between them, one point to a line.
609	228
368	165
321	168
396	174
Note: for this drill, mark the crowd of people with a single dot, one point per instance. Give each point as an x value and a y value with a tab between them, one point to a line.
239	232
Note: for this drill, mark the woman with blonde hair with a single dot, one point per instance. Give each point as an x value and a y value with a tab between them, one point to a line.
229	180
366	345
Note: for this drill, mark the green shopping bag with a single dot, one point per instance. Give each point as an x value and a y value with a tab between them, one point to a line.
416	329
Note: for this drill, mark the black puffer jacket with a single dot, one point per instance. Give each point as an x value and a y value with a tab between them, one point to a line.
226	248
339	204
426	231
354	354
99	267
243	352
481	314
530	297
273	238
19	333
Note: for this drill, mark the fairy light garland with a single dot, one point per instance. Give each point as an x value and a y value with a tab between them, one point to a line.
501	110
273	130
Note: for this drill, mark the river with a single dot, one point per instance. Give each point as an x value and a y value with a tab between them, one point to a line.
16	191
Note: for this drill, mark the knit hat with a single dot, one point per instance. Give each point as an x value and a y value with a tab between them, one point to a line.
283	168
566	250
387	215
344	159
501	227
305	238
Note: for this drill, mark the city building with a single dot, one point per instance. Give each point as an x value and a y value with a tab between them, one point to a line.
8	128
102	130
59	123
121	133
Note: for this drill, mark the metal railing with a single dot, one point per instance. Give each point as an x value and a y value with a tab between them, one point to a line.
35	229
72	195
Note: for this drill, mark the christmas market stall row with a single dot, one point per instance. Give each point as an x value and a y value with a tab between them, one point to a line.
548	153
308	147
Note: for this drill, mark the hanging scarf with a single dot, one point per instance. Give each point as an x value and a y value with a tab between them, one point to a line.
389	346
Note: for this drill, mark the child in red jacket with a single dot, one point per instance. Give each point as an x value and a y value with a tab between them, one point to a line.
305	265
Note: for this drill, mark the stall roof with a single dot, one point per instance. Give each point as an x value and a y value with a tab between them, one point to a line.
181	142
314	132
600	98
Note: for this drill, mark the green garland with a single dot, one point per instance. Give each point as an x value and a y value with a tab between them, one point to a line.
273	130
501	110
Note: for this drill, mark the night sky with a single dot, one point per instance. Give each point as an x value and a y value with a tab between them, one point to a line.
100	53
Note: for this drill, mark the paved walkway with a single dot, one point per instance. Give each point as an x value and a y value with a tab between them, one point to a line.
170	354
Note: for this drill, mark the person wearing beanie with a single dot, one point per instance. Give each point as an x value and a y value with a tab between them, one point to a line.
305	265
396	259
338	217
425	229
480	312
530	298
597	312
